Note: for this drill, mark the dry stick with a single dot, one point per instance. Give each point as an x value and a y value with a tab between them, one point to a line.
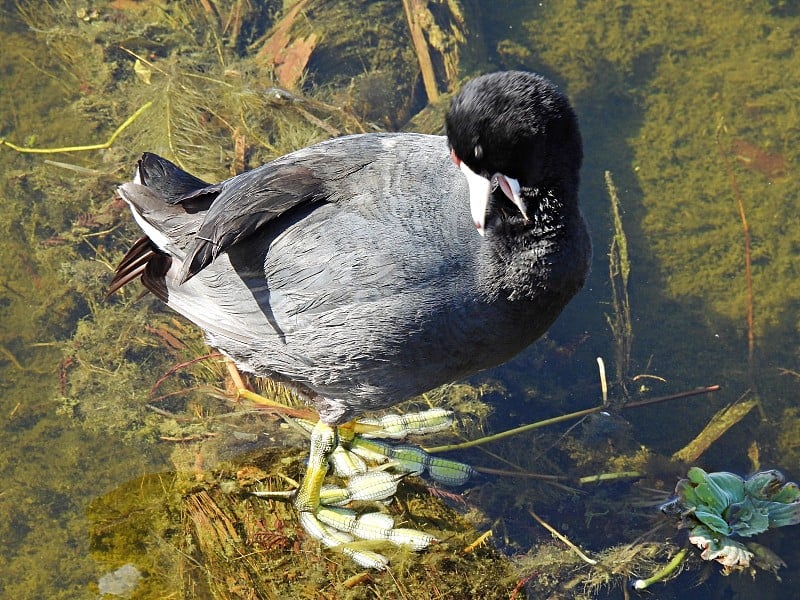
209	7
421	48
11	358
568	417
748	274
678	396
619	268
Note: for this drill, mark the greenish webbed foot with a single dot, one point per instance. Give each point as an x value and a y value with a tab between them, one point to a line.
322	514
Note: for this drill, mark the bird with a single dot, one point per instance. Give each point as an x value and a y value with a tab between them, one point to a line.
368	269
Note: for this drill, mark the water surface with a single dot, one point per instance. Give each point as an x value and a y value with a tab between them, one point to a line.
692	108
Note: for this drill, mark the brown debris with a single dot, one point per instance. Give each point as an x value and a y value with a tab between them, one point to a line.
288	57
754	158
239	152
293	60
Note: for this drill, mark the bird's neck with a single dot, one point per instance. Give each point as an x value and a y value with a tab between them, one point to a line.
545	256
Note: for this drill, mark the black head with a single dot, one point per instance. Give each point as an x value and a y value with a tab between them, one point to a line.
517	124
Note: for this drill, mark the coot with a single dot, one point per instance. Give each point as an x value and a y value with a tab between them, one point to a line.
370	268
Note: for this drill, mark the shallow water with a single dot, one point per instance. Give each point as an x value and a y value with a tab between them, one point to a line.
691	108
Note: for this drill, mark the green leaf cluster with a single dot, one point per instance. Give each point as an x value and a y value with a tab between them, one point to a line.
717	506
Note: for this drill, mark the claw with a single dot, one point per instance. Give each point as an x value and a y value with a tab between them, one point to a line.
367	487
347	464
374	526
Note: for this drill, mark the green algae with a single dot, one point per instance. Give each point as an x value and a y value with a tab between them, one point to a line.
708	99
702	110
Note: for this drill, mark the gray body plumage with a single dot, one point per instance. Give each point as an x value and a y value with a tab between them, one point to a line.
363	278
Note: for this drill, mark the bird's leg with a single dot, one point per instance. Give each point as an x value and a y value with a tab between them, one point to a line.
235	375
324	440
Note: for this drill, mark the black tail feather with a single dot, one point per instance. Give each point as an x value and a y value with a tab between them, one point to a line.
143	261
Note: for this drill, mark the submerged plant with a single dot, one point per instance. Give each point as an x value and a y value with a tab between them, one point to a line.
720	506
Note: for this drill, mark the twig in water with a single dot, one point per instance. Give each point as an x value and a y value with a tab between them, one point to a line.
413	9
601	366
562	537
567	417
182	365
103	146
478	542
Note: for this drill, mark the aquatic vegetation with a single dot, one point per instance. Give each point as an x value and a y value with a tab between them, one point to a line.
717	507
619	270
211	105
561	571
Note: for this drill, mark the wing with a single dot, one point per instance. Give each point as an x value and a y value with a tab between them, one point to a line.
246	203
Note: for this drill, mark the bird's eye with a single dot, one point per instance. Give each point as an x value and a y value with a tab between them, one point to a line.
478	152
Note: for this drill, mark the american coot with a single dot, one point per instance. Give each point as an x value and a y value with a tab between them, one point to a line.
370	268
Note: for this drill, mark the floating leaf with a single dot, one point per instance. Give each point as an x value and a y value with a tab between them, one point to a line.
718	505
747	518
713	521
764	484
727	488
781	514
717	490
